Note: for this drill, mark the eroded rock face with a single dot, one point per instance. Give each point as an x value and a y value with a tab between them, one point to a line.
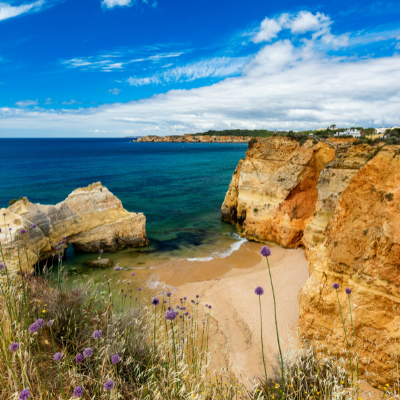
354	240
90	219
273	192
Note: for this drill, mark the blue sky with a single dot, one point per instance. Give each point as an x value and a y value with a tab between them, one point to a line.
135	67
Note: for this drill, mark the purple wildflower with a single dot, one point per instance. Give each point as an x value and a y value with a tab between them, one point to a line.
57	357
169	308
14	346
189	317
40	322
79	358
169	294
124	295
135	298
50	323
336	286
259	290
60	258
170	315
64	237
115	359
185	298
96	335
265	251
209	307
33	226
88	352
78	392
117	269
155	301
133	274
101	251
24	395
165	301
34	328
183	308
197	296
139	289
348	291
2	266
4	214
187	313
109	385
180	316
22	232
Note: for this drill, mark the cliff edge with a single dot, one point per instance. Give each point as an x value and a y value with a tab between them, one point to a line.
273	192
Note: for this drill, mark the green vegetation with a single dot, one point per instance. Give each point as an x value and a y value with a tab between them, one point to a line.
14	201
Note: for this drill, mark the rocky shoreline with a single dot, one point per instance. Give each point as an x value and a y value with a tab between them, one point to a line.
90	219
342	204
195	139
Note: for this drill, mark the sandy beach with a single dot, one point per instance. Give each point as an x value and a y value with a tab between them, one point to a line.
228	285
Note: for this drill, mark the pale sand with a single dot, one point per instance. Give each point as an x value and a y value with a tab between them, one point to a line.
235	306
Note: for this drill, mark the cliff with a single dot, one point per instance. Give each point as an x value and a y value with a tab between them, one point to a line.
342	203
90	219
195	139
354	240
273	193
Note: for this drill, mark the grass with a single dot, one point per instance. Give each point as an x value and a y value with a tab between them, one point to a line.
58	342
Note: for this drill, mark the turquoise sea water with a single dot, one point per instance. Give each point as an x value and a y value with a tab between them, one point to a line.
178	186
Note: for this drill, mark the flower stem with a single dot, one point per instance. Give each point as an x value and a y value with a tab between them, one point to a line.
355	344
262	348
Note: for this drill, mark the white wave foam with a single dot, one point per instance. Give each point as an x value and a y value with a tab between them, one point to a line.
234	247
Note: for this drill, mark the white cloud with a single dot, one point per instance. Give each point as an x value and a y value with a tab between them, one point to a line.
289	84
8	11
114	91
71	102
114	3
26	103
301	23
214	67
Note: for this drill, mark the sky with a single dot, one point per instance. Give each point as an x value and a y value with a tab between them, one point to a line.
115	68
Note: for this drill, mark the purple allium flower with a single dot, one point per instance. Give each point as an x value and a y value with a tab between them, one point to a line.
14	346
185	298
155	301
117	269
124	295
192	301
206	305
165	301
187	313
78	391
2	266
209	307
259	290
40	322
60	258
109	385
336	286
4	214
34	328
33	226
265	251
133	274
169	308
115	359
203	321
180	316
183	308
169	294
57	357
348	291
189	317
96	335
24	395
135	298
139	289
22	232
128	282
170	315
79	358
101	251
197	296
88	352
64	237
50	323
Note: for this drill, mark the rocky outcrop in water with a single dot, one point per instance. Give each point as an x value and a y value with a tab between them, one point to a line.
273	193
90	219
195	139
354	240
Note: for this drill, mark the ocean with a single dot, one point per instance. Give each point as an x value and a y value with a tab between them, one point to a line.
178	186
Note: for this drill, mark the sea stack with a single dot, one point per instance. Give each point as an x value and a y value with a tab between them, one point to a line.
90	219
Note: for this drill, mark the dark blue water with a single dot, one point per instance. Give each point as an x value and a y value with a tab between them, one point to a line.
178	186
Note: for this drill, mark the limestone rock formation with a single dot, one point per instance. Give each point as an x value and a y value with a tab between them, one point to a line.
195	139
354	240
273	192
90	219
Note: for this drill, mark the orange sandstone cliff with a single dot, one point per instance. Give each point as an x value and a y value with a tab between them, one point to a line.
354	240
273	192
